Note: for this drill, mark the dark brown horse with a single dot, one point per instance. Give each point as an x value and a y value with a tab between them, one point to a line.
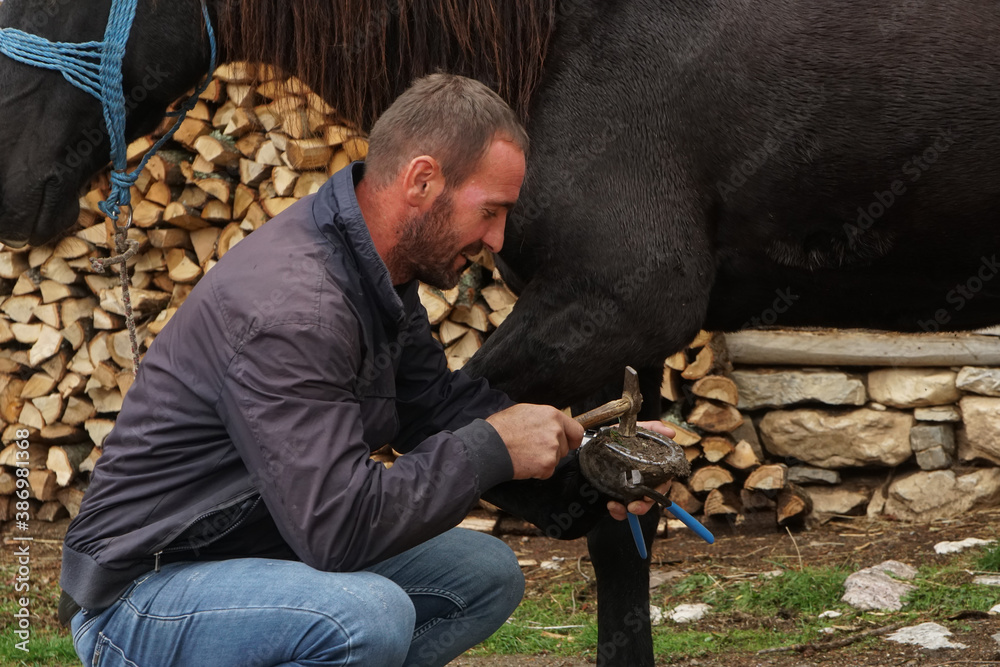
695	164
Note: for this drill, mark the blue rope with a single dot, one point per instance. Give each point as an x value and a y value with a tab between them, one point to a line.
96	68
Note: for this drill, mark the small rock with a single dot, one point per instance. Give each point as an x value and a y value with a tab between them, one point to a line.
771	574
938	413
550	565
987	580
827	631
935	458
926	635
659	577
655	615
928	436
830	614
996	637
873	588
810	475
995	610
913	387
686	613
877	504
878	407
961	545
985	381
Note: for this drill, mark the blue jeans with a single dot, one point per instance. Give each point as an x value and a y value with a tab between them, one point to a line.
423	607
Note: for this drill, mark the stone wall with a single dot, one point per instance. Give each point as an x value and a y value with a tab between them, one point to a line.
912	442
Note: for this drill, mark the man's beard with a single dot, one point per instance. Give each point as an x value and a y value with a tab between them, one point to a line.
427	247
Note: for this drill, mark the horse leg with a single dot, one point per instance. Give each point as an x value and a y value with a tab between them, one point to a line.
624	633
564	506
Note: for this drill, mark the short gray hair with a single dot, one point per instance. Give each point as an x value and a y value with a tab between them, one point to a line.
451	118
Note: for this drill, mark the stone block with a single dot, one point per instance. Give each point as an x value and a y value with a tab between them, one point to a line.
938	413
810	475
829	439
838	500
776	388
934	458
981	437
913	387
927	436
941	494
984	381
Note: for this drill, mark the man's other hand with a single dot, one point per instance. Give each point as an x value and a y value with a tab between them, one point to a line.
537	438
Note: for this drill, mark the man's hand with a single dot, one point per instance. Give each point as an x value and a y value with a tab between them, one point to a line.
619	511
537	437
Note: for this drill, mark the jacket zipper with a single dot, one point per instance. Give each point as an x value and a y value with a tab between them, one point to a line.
204	515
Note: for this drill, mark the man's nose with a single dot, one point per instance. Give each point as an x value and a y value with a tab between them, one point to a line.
494	236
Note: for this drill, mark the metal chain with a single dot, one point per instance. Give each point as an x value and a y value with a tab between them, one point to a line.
126	250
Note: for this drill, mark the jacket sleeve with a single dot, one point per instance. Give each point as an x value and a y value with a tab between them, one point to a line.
288	405
430	398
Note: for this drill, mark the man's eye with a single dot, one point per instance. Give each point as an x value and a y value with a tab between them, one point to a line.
489	213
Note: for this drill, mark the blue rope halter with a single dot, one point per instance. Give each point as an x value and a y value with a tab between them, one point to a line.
96	68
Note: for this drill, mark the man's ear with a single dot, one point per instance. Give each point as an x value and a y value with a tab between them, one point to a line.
423	182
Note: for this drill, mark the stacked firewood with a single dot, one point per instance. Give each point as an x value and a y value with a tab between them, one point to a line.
463	315
731	476
244	154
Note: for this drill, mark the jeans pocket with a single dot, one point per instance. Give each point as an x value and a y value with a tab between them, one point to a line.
107	654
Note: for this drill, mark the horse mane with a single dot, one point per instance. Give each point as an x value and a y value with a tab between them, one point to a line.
359	55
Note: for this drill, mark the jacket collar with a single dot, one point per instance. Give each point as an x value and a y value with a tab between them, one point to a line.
350	224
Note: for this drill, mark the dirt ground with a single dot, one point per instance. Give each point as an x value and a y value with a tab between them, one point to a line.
853	543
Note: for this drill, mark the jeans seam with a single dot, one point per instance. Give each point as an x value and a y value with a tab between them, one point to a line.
349	638
103	638
425	628
343	631
85	627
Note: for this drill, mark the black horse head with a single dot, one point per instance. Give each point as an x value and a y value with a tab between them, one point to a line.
53	134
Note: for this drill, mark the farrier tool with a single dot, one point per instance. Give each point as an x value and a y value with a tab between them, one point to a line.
626	462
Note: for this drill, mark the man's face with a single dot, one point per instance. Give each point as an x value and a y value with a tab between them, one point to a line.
463	220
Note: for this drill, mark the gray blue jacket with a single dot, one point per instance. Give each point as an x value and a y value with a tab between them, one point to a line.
249	427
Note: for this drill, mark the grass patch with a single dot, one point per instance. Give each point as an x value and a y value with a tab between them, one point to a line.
809	591
539	624
947	590
989	560
49	644
748	614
